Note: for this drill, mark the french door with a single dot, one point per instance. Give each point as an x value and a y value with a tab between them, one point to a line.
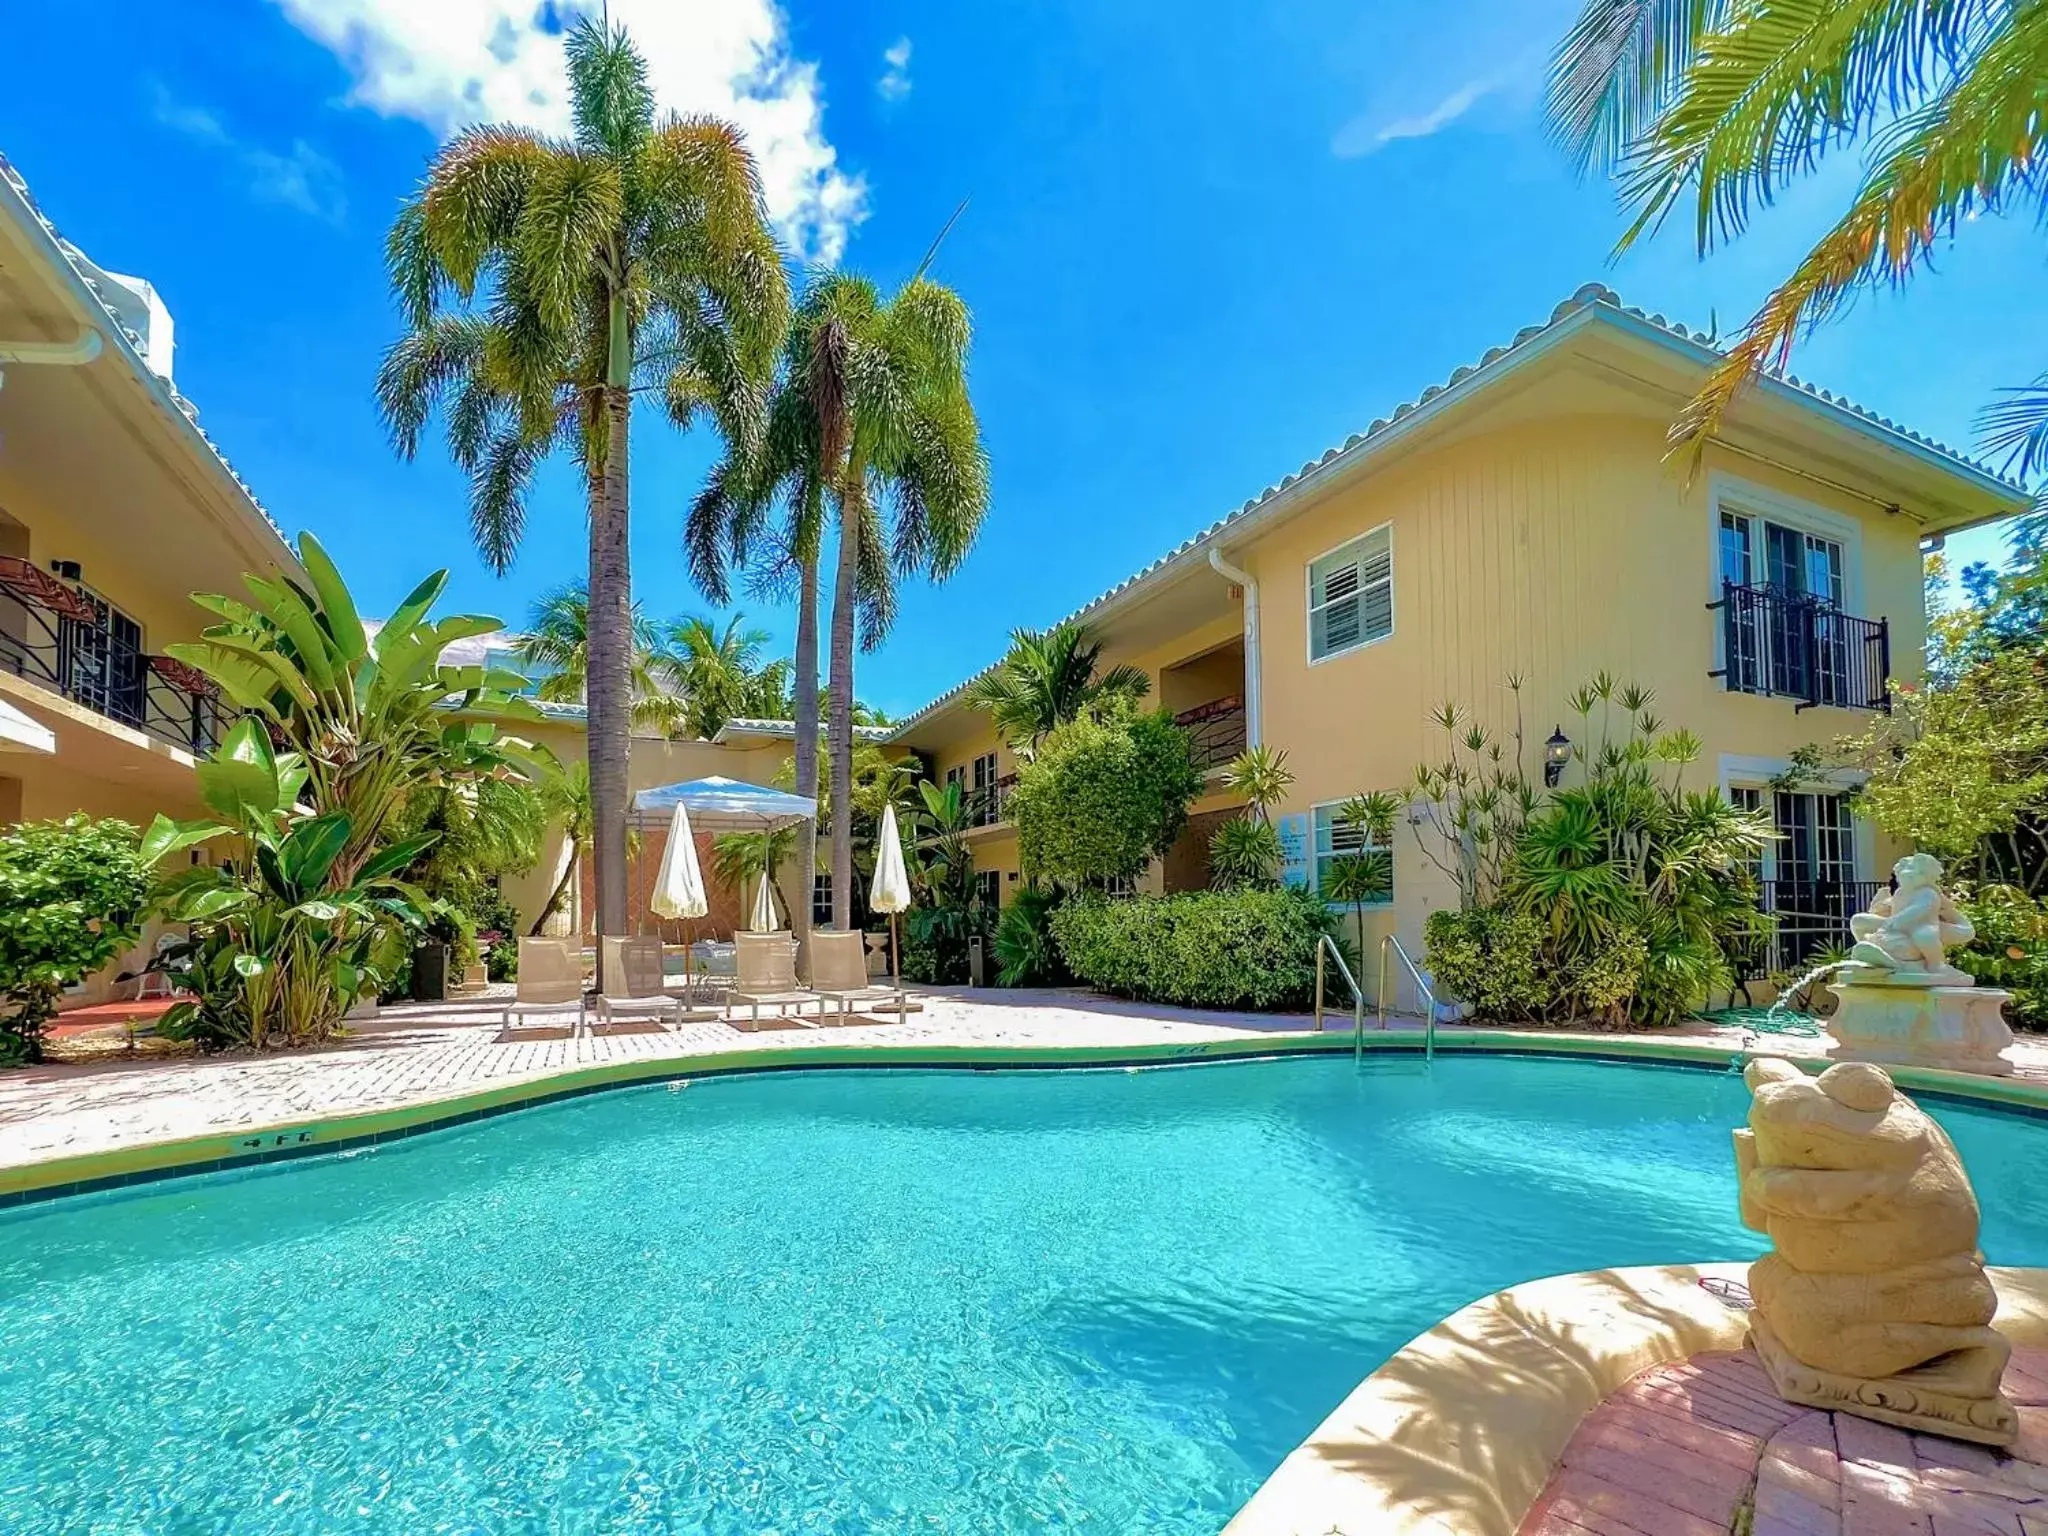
1790	637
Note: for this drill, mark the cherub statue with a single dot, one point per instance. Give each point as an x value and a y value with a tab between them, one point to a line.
1910	928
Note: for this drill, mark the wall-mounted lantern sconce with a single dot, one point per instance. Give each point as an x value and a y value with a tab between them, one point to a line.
1556	753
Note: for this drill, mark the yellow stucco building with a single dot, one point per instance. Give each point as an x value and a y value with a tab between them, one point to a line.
1522	520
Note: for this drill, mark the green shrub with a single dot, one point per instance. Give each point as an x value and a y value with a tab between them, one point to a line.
1025	953
1490	959
1245	854
1103	798
1208	949
71	898
2010	950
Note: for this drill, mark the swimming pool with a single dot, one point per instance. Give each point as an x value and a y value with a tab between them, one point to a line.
837	1301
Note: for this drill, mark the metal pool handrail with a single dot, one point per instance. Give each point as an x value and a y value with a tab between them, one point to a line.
1429	1010
1324	946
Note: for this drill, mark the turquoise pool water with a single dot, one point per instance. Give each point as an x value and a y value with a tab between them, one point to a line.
836	1302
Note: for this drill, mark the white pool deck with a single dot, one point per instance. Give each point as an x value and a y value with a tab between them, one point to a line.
418	1054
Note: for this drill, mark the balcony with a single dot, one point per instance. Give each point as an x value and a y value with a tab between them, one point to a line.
1215	730
60	638
1785	645
1811	915
989	805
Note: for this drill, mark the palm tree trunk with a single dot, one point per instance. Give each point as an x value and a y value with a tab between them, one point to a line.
570	871
806	712
842	708
611	642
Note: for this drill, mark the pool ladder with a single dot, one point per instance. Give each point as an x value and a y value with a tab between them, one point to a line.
1389	945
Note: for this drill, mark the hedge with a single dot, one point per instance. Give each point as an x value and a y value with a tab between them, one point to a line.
1206	949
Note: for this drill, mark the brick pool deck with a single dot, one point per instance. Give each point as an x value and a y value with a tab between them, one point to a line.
418	1054
1698	1447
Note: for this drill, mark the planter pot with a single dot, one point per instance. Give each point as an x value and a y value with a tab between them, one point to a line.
430	973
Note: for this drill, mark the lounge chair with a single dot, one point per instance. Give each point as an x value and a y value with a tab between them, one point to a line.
839	974
765	977
633	986
550	982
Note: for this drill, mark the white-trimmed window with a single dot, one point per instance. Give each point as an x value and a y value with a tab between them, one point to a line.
1351	595
1336	839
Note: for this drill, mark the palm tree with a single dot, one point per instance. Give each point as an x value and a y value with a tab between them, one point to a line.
718	674
565	797
631	256
1047	679
872	414
1721	104
556	644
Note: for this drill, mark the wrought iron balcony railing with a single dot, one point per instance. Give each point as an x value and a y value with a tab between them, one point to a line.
989	806
1789	646
1216	731
1811	916
59	638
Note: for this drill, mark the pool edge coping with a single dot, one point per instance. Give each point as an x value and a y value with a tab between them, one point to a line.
1428	1445
150	1160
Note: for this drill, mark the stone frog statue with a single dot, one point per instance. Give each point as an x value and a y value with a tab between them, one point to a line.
1874	1300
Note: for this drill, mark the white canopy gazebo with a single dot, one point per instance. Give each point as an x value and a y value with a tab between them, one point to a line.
724	805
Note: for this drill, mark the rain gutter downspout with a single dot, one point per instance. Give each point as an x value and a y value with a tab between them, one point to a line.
56	354
1231	573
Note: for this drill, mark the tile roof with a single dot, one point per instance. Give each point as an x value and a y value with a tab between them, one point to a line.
757	726
1595	299
130	344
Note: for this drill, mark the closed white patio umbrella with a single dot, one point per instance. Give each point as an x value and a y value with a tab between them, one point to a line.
890	892
763	920
679	885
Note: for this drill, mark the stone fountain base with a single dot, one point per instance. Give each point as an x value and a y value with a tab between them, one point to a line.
1907	1018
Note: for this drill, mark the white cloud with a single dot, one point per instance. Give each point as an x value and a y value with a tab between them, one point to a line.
1368	134
300	177
449	63
895	82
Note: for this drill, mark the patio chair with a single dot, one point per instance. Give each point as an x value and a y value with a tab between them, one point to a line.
839	974
765	976
550	982
633	984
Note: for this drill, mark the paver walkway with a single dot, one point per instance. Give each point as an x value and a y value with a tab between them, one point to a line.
1699	1447
419	1053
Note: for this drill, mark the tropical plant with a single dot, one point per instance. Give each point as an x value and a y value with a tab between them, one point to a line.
1724	103
339	733
1245	853
740	859
1363	875
1643	891
1262	777
1048	678
283	939
871	417
946	912
718	675
2009	950
565	800
556	645
1959	766
1104	797
1470	804
72	894
371	721
1206	949
632	255
1026	955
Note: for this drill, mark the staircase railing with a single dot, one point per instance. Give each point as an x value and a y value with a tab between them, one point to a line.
1324	946
1430	1007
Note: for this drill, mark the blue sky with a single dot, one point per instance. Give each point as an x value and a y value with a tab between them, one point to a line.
1203	244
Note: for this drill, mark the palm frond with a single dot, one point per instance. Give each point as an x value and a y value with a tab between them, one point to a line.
1618	68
